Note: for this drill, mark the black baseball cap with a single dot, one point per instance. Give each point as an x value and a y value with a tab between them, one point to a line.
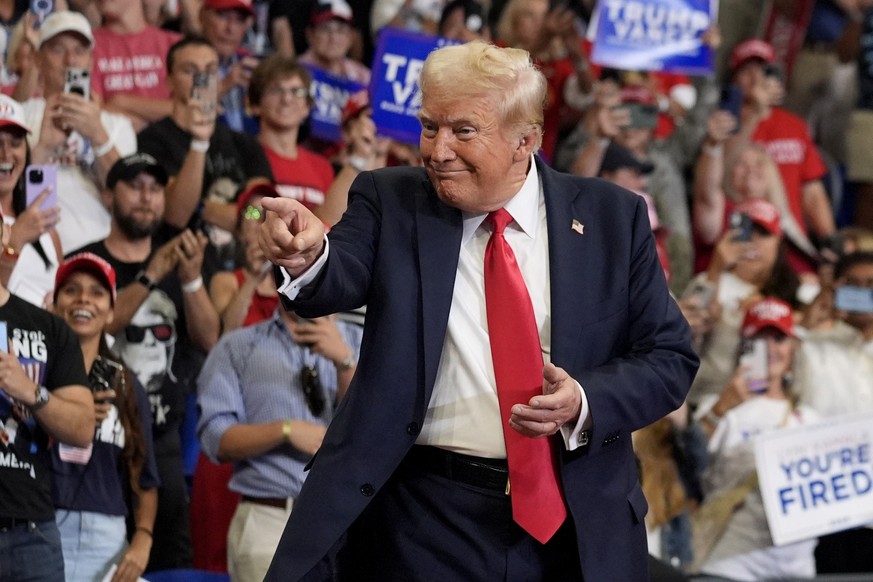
129	167
616	157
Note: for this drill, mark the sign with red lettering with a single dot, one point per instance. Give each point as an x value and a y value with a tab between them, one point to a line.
817	479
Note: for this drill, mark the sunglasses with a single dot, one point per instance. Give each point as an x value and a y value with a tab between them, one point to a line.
312	390
163	332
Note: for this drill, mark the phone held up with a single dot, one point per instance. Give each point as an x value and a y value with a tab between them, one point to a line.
742	223
854	299
37	179
754	360
41	9
78	80
731	100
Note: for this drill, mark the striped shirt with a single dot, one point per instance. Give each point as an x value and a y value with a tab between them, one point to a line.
252	376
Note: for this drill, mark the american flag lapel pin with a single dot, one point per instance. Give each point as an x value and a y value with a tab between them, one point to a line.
577	227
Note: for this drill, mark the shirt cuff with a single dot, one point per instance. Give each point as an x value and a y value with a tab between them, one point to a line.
576	437
291	286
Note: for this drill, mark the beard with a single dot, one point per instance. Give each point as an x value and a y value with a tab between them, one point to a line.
136	230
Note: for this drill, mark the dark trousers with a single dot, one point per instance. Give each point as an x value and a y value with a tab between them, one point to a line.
423	527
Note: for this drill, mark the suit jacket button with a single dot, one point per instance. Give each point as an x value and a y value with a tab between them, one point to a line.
412	428
367	490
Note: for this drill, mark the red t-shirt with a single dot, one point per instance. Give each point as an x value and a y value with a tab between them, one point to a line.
132	63
306	179
787	140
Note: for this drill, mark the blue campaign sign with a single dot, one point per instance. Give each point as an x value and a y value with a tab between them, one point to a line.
394	92
654	35
330	94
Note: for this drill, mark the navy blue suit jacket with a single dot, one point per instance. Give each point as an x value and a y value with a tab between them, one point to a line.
615	329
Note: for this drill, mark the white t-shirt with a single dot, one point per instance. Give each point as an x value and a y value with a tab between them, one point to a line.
84	218
745	550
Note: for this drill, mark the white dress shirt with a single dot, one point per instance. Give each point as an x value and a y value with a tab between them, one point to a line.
463	414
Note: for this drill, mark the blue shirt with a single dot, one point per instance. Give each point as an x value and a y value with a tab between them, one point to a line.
252	376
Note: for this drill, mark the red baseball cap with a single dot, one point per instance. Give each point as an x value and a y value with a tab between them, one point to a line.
768	312
12	114
754	48
91	264
763	213
331	10
265	189
356	103
244	5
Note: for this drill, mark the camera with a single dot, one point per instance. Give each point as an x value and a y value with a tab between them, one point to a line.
78	81
35	176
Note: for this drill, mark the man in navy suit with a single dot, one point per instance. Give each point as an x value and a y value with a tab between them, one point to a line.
411	480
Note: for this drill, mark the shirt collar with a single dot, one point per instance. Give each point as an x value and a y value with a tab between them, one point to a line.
523	207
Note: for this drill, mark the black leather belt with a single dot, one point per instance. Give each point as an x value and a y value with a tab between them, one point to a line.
7	523
476	471
280	502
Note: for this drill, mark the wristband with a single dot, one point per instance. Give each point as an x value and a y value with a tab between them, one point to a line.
286	431
145	530
102	150
200	145
348	363
712	417
193	286
713	150
358	162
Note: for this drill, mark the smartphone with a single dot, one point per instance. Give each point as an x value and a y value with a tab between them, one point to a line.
775	71
754	359
743	224
78	80
41	9
39	177
731	100
701	292
4	337
200	84
104	375
854	299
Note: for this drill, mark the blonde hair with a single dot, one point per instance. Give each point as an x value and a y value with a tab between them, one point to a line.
479	69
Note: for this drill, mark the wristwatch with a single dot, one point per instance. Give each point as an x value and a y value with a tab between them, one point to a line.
144	280
42	397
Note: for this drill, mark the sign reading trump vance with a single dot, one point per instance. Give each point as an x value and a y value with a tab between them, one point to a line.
654	35
817	479
396	97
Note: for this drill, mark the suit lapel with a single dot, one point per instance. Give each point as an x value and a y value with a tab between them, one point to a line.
571	258
439	229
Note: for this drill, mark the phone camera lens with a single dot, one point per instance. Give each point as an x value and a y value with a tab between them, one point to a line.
35	176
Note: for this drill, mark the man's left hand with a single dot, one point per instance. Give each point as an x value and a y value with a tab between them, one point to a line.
559	404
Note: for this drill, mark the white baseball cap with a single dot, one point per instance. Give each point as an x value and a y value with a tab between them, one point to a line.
12	113
65	21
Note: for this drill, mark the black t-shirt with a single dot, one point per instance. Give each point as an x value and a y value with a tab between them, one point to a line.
156	347
50	354
232	160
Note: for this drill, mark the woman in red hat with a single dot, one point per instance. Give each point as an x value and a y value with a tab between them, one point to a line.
95	488
757	399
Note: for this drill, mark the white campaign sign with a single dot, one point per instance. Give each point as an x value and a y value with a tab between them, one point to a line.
818	478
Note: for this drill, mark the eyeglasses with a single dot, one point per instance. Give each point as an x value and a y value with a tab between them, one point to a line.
312	390
135	334
298	92
254	213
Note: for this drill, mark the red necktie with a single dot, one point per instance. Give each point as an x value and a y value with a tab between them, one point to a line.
537	503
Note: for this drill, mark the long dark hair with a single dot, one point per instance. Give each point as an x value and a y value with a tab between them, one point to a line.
133	455
783	282
19	205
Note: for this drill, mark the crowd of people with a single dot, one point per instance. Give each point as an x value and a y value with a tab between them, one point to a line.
139	141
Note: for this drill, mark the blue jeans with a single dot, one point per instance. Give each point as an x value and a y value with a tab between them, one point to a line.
31	552
92	542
